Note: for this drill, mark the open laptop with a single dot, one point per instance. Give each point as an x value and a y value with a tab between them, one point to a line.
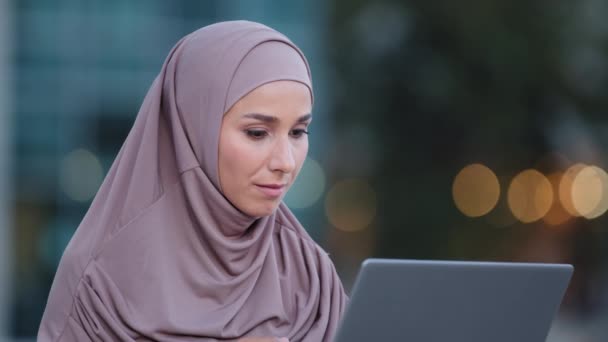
456	301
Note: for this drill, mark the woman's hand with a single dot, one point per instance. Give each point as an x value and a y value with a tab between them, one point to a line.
264	339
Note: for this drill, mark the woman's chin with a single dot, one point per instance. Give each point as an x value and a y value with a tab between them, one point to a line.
263	210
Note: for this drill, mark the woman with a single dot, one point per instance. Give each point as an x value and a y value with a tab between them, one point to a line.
188	238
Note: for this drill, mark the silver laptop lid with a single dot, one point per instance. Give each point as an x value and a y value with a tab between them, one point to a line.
457	301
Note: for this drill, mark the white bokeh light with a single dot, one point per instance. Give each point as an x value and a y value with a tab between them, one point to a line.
80	175
308	187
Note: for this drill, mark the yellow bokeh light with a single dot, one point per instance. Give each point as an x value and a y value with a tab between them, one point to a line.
565	188
351	205
556	214
475	190
590	192
530	196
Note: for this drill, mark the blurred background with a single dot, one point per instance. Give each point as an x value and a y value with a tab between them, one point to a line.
469	130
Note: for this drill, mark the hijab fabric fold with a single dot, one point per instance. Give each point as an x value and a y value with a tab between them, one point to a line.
162	255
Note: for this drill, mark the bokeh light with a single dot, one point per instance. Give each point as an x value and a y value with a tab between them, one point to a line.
351	205
475	190
530	196
308	187
80	175
590	192
556	214
565	188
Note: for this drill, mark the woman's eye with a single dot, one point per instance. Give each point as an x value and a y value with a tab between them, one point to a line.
256	133
298	133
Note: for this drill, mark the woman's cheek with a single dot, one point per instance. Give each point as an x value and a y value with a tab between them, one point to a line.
301	154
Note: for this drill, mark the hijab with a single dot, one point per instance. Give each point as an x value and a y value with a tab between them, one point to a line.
162	254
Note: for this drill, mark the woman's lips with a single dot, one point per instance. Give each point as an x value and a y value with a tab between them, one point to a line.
271	190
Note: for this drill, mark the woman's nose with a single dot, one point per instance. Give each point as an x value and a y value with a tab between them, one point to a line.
282	158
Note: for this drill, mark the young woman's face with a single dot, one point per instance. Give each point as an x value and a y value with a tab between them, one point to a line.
263	144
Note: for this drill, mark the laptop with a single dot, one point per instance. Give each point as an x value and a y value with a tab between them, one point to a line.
456	301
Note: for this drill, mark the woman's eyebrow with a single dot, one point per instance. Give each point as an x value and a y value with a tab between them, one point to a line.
262	117
271	119
304	118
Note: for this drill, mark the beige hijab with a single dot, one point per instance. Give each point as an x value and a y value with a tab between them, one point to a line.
161	254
